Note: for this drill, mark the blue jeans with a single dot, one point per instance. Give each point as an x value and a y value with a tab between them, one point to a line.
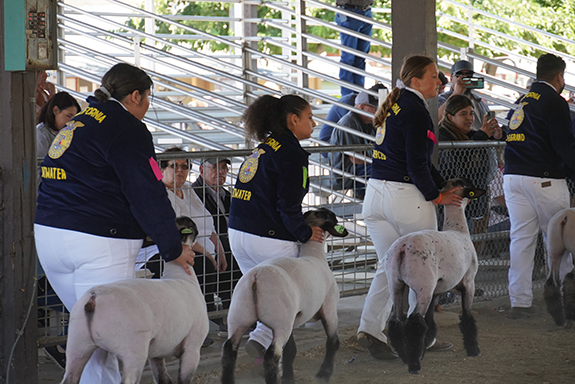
355	43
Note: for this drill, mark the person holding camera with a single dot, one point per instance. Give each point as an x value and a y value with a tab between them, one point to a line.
462	83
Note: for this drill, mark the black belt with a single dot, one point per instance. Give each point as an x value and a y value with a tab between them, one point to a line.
352	7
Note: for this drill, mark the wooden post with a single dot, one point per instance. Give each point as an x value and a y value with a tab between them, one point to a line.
18	318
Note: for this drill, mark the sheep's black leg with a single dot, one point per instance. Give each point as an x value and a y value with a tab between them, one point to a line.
569	298
396	324
415	330
431	326
331	347
467	324
271	365
288	357
396	335
552	295
229	357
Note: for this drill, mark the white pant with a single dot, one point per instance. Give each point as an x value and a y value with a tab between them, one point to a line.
532	202
390	210
250	250
74	262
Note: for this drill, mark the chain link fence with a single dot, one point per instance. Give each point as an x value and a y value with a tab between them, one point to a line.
353	259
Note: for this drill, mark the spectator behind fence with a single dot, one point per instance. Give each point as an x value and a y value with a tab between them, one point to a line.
52	117
209	187
403	189
475	164
540	152
94	202
186	203
460	70
266	219
363	8
335	113
443	84
44	91
350	163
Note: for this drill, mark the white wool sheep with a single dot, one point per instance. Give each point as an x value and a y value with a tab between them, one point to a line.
283	294
561	237
432	262
139	320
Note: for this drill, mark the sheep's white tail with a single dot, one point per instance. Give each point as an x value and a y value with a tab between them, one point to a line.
90	308
558	233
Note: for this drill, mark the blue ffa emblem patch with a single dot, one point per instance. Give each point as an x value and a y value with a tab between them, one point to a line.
63	139
517	118
380	135
250	166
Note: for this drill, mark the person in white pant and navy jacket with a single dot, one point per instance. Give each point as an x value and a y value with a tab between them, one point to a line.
540	152
94	202
403	189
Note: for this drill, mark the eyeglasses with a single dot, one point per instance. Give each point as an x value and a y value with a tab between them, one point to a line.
218	168
464	74
183	167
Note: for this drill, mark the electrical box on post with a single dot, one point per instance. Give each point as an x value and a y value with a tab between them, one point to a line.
30	34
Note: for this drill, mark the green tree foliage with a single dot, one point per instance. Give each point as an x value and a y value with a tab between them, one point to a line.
554	16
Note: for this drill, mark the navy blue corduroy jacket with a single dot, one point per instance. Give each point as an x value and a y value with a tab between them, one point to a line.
404	145
271	185
540	142
101	177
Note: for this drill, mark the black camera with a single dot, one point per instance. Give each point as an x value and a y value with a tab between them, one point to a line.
473	82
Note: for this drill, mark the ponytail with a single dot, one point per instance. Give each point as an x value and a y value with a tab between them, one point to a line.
122	80
413	66
268	115
381	113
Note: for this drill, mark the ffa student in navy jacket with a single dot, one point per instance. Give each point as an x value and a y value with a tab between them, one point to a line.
540	152
404	186
266	219
99	181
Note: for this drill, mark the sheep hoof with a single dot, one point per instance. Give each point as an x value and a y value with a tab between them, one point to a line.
414	371
474	353
569	324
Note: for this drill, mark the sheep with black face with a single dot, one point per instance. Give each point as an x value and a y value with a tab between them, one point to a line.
432	262
142	319
283	294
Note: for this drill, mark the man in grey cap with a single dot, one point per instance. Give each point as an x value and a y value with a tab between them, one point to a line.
209	187
349	163
460	70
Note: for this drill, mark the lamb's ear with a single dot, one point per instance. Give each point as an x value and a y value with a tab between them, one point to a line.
335	230
473	193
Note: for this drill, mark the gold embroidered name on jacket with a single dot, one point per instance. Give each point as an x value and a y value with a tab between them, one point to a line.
242	194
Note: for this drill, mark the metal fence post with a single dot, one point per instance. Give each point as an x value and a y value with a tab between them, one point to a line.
301	44
471	26
248	63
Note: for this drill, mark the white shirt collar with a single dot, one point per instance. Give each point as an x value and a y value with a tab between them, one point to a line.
549	84
119	102
418	94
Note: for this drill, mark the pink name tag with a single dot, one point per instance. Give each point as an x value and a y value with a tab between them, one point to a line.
156	168
431	135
